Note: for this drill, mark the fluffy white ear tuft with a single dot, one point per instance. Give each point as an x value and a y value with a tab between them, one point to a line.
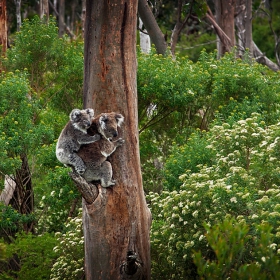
74	114
102	121
119	119
90	111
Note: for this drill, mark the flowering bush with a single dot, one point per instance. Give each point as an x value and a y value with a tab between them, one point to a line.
242	183
70	263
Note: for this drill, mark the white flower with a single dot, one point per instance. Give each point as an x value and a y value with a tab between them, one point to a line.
195	214
263	259
201	237
233	199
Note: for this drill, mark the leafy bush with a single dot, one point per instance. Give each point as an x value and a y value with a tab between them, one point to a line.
230	241
34	256
57	195
54	65
20	131
176	97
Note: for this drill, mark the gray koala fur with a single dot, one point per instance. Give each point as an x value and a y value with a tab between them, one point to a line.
73	135
95	154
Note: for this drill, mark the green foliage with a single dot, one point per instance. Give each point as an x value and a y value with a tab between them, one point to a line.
34	255
178	96
230	241
70	264
58	193
55	65
186	159
20	130
11	220
242	183
265	24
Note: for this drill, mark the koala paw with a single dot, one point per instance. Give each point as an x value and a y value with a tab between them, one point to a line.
108	184
120	141
80	171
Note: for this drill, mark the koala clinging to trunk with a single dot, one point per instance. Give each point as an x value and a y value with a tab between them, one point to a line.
73	135
94	155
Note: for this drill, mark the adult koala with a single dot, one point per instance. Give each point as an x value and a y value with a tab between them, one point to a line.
95	155
73	135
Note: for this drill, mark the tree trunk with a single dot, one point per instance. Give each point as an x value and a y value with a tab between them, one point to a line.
225	19
44	9
3	26
61	22
145	41
244	26
222	38
117	222
248	27
18	14
179	24
151	26
83	16
23	196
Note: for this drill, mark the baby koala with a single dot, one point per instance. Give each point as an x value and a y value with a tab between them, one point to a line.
95	155
73	135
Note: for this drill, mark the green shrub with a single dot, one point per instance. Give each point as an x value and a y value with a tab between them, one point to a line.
21	131
54	65
230	241
34	256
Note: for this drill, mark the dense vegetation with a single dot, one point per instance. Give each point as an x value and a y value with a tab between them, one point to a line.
209	137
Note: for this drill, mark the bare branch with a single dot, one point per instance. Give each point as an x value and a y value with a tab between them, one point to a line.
88	190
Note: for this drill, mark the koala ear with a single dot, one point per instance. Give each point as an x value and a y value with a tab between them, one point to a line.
102	121
74	114
90	112
119	119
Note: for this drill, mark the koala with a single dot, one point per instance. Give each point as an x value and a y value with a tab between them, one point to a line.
73	135
94	155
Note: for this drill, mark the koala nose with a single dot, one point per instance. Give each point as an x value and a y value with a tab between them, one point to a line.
115	134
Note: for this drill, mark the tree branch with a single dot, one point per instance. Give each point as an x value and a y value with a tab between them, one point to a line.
151	26
71	34
88	190
221	34
261	58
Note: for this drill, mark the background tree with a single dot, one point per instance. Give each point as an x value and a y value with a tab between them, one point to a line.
44	8
3	26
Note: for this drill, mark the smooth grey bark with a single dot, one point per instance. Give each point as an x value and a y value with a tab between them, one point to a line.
18	14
